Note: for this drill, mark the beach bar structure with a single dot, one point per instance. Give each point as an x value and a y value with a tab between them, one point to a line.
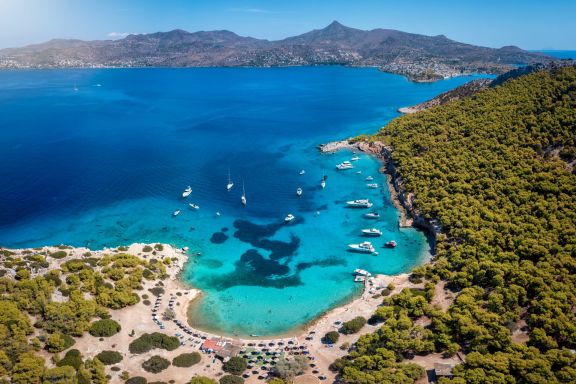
223	349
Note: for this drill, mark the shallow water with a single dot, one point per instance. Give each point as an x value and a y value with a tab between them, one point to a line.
99	158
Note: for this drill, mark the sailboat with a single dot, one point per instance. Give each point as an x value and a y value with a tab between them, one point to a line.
243	198
230	183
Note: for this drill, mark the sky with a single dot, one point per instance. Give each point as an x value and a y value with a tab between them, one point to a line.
529	24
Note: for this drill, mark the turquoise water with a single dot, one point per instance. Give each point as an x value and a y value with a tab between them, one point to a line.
99	158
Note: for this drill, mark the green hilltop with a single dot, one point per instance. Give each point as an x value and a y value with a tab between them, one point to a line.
497	171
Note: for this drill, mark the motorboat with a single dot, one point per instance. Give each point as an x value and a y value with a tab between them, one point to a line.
372	185
299	191
360	203
362	272
372	215
187	191
344	165
230	182
369	178
243	198
323	183
355	158
194	206
302	172
289	218
359	279
390	244
176	213
372	232
364	247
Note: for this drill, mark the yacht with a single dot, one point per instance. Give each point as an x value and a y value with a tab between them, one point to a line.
364	247
372	215
194	206
176	213
355	158
299	191
372	232
369	178
302	172
289	218
390	244
362	272
372	185
230	183
360	203
187	191
344	165
243	198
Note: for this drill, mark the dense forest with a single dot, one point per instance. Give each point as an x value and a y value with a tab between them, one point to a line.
496	170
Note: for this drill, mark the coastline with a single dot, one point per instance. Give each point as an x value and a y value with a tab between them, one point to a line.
137	318
402	200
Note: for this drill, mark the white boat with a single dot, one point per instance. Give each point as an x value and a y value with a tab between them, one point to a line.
355	158
230	183
194	206
302	172
372	185
358	172
243	198
344	165
372	215
359	279
369	178
187	191
299	191
390	244
364	247
289	218
372	232
323	183
176	213
362	272
360	203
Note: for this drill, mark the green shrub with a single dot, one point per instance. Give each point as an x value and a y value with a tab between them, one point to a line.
353	325
159	247
230	379
115	369
104	328
155	364
147	248
58	254
109	357
201	380
149	341
137	380
236	365
72	358
186	360
331	337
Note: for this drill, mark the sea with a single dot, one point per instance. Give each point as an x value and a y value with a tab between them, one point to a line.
100	157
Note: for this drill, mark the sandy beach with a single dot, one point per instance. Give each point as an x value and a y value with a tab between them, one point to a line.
137	320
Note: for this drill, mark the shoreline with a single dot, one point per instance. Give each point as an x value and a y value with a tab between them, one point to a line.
137	318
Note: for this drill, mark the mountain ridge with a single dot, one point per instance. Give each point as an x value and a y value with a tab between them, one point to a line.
419	57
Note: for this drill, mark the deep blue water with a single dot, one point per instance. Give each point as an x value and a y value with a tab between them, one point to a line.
560	54
99	158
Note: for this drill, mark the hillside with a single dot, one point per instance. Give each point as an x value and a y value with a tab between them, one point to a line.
496	171
422	58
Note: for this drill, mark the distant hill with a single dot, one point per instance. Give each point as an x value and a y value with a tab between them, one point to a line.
422	58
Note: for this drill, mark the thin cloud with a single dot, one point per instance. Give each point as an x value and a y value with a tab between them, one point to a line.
118	35
249	10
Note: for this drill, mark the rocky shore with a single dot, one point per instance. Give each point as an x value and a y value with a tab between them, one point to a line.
409	216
